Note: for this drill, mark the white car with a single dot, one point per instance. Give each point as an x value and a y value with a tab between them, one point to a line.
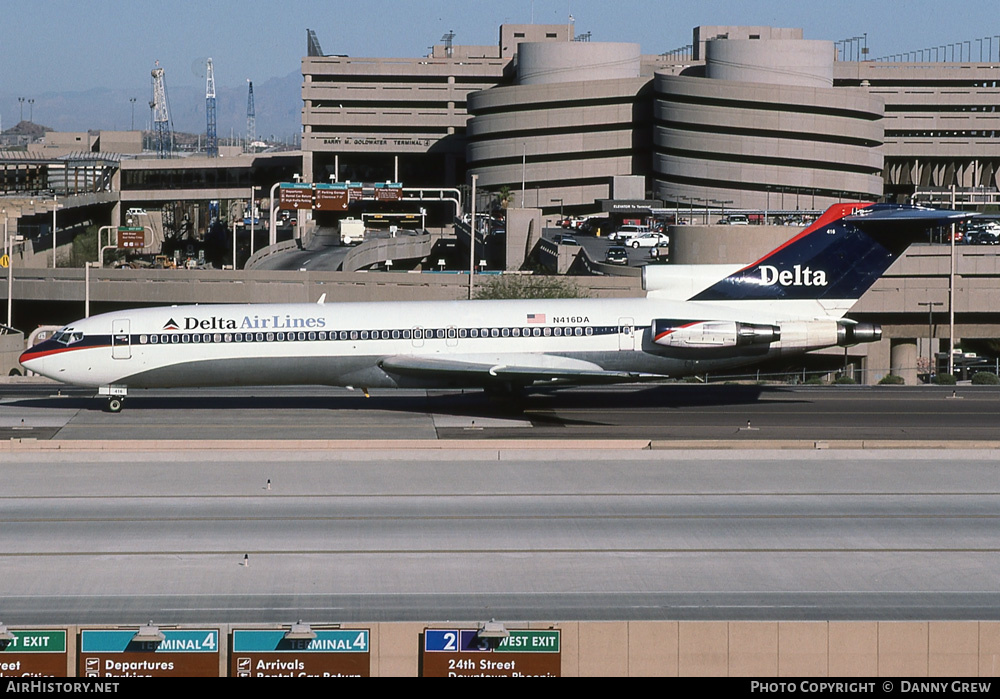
648	240
628	231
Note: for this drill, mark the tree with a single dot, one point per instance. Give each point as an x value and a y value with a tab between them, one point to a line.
522	286
504	196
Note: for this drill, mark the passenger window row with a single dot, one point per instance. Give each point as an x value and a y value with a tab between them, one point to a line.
348	335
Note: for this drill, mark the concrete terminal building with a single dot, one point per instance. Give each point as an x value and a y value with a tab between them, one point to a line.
757	117
760	125
376	119
577	116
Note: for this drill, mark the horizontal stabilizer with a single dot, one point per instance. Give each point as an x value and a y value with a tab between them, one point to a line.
929	217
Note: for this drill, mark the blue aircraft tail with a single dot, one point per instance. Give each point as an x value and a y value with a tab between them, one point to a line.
838	257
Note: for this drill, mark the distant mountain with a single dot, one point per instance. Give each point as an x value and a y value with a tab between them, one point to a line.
277	103
26	128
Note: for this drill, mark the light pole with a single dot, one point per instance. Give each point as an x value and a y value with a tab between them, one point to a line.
8	250
86	288
560	209
253	206
930	334
272	236
55	207
472	235
524	165
132	100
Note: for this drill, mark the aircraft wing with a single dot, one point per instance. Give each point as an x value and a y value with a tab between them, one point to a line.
484	373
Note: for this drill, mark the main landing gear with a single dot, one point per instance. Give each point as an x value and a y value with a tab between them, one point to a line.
115	404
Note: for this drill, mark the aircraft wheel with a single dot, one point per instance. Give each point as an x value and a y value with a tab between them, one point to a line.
115	405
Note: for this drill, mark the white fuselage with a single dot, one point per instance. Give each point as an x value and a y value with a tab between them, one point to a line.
352	343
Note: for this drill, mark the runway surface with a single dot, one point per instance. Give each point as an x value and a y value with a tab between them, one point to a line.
193	536
663	412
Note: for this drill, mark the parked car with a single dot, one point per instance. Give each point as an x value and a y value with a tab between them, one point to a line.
735	220
592	225
564	239
616	255
628	231
648	240
982	236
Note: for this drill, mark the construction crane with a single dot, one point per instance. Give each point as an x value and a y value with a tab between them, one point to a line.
251	119
161	115
312	44
211	139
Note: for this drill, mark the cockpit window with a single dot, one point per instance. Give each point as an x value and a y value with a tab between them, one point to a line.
66	336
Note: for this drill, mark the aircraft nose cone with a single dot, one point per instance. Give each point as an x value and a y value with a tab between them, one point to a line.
34	357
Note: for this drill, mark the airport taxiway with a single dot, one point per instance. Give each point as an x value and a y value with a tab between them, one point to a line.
277	534
733	413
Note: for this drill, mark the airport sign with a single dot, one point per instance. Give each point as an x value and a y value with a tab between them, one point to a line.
295	196
119	653
464	653
34	653
388	191
332	653
332	197
131	237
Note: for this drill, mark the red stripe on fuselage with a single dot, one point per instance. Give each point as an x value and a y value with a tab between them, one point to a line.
676	328
29	355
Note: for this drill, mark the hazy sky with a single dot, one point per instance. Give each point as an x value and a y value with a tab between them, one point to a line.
69	45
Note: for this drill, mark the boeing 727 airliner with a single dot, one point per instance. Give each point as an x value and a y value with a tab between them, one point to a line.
695	318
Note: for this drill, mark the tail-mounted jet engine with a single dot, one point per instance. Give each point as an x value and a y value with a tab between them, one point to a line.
707	334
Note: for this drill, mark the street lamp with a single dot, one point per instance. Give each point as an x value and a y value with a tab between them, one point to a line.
8	250
930	334
132	100
253	206
272	234
560	207
86	283
472	235
55	207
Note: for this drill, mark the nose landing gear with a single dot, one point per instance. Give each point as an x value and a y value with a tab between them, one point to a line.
115	396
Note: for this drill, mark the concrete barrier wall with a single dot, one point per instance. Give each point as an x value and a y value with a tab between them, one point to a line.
758	649
130	287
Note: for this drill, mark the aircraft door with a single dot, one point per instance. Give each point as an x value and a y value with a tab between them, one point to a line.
121	339
626	334
418	337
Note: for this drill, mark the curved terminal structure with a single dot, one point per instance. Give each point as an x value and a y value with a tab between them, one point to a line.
567	128
766	128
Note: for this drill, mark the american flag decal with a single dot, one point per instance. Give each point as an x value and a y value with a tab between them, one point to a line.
536	317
